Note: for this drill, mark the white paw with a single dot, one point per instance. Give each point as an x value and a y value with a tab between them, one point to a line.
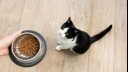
58	48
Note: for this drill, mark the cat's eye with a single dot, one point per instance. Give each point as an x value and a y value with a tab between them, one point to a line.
62	27
66	34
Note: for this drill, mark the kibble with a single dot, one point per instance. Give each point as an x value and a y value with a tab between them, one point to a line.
28	46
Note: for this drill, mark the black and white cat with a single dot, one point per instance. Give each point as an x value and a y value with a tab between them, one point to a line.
78	41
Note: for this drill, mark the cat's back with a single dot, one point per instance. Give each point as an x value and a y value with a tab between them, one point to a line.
83	37
83	43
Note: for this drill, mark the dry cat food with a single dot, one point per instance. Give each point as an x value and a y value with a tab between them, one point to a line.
28	46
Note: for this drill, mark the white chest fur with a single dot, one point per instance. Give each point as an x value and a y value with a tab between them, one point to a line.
64	42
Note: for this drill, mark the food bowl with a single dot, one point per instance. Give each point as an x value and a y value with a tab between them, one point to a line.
27	49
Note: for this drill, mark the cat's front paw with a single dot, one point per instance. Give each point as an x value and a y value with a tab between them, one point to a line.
58	48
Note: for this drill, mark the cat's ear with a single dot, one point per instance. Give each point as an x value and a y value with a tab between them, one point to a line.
69	20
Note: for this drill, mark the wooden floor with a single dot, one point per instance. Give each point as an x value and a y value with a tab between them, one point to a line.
46	16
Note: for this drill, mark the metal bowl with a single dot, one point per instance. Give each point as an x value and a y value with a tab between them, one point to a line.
23	61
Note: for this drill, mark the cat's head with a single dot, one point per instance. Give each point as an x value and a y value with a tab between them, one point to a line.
68	30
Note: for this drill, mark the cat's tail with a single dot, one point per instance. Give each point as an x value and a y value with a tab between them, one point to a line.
101	34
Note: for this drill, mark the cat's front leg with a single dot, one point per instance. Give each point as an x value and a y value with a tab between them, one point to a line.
59	47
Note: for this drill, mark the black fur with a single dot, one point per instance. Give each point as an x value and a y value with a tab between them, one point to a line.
72	32
101	34
84	41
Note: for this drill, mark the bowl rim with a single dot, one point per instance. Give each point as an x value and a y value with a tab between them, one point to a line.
12	48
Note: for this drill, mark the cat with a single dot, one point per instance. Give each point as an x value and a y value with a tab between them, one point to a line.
76	40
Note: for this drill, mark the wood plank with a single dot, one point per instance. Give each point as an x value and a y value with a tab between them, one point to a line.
120	53
31	20
81	14
57	13
10	17
46	18
101	52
